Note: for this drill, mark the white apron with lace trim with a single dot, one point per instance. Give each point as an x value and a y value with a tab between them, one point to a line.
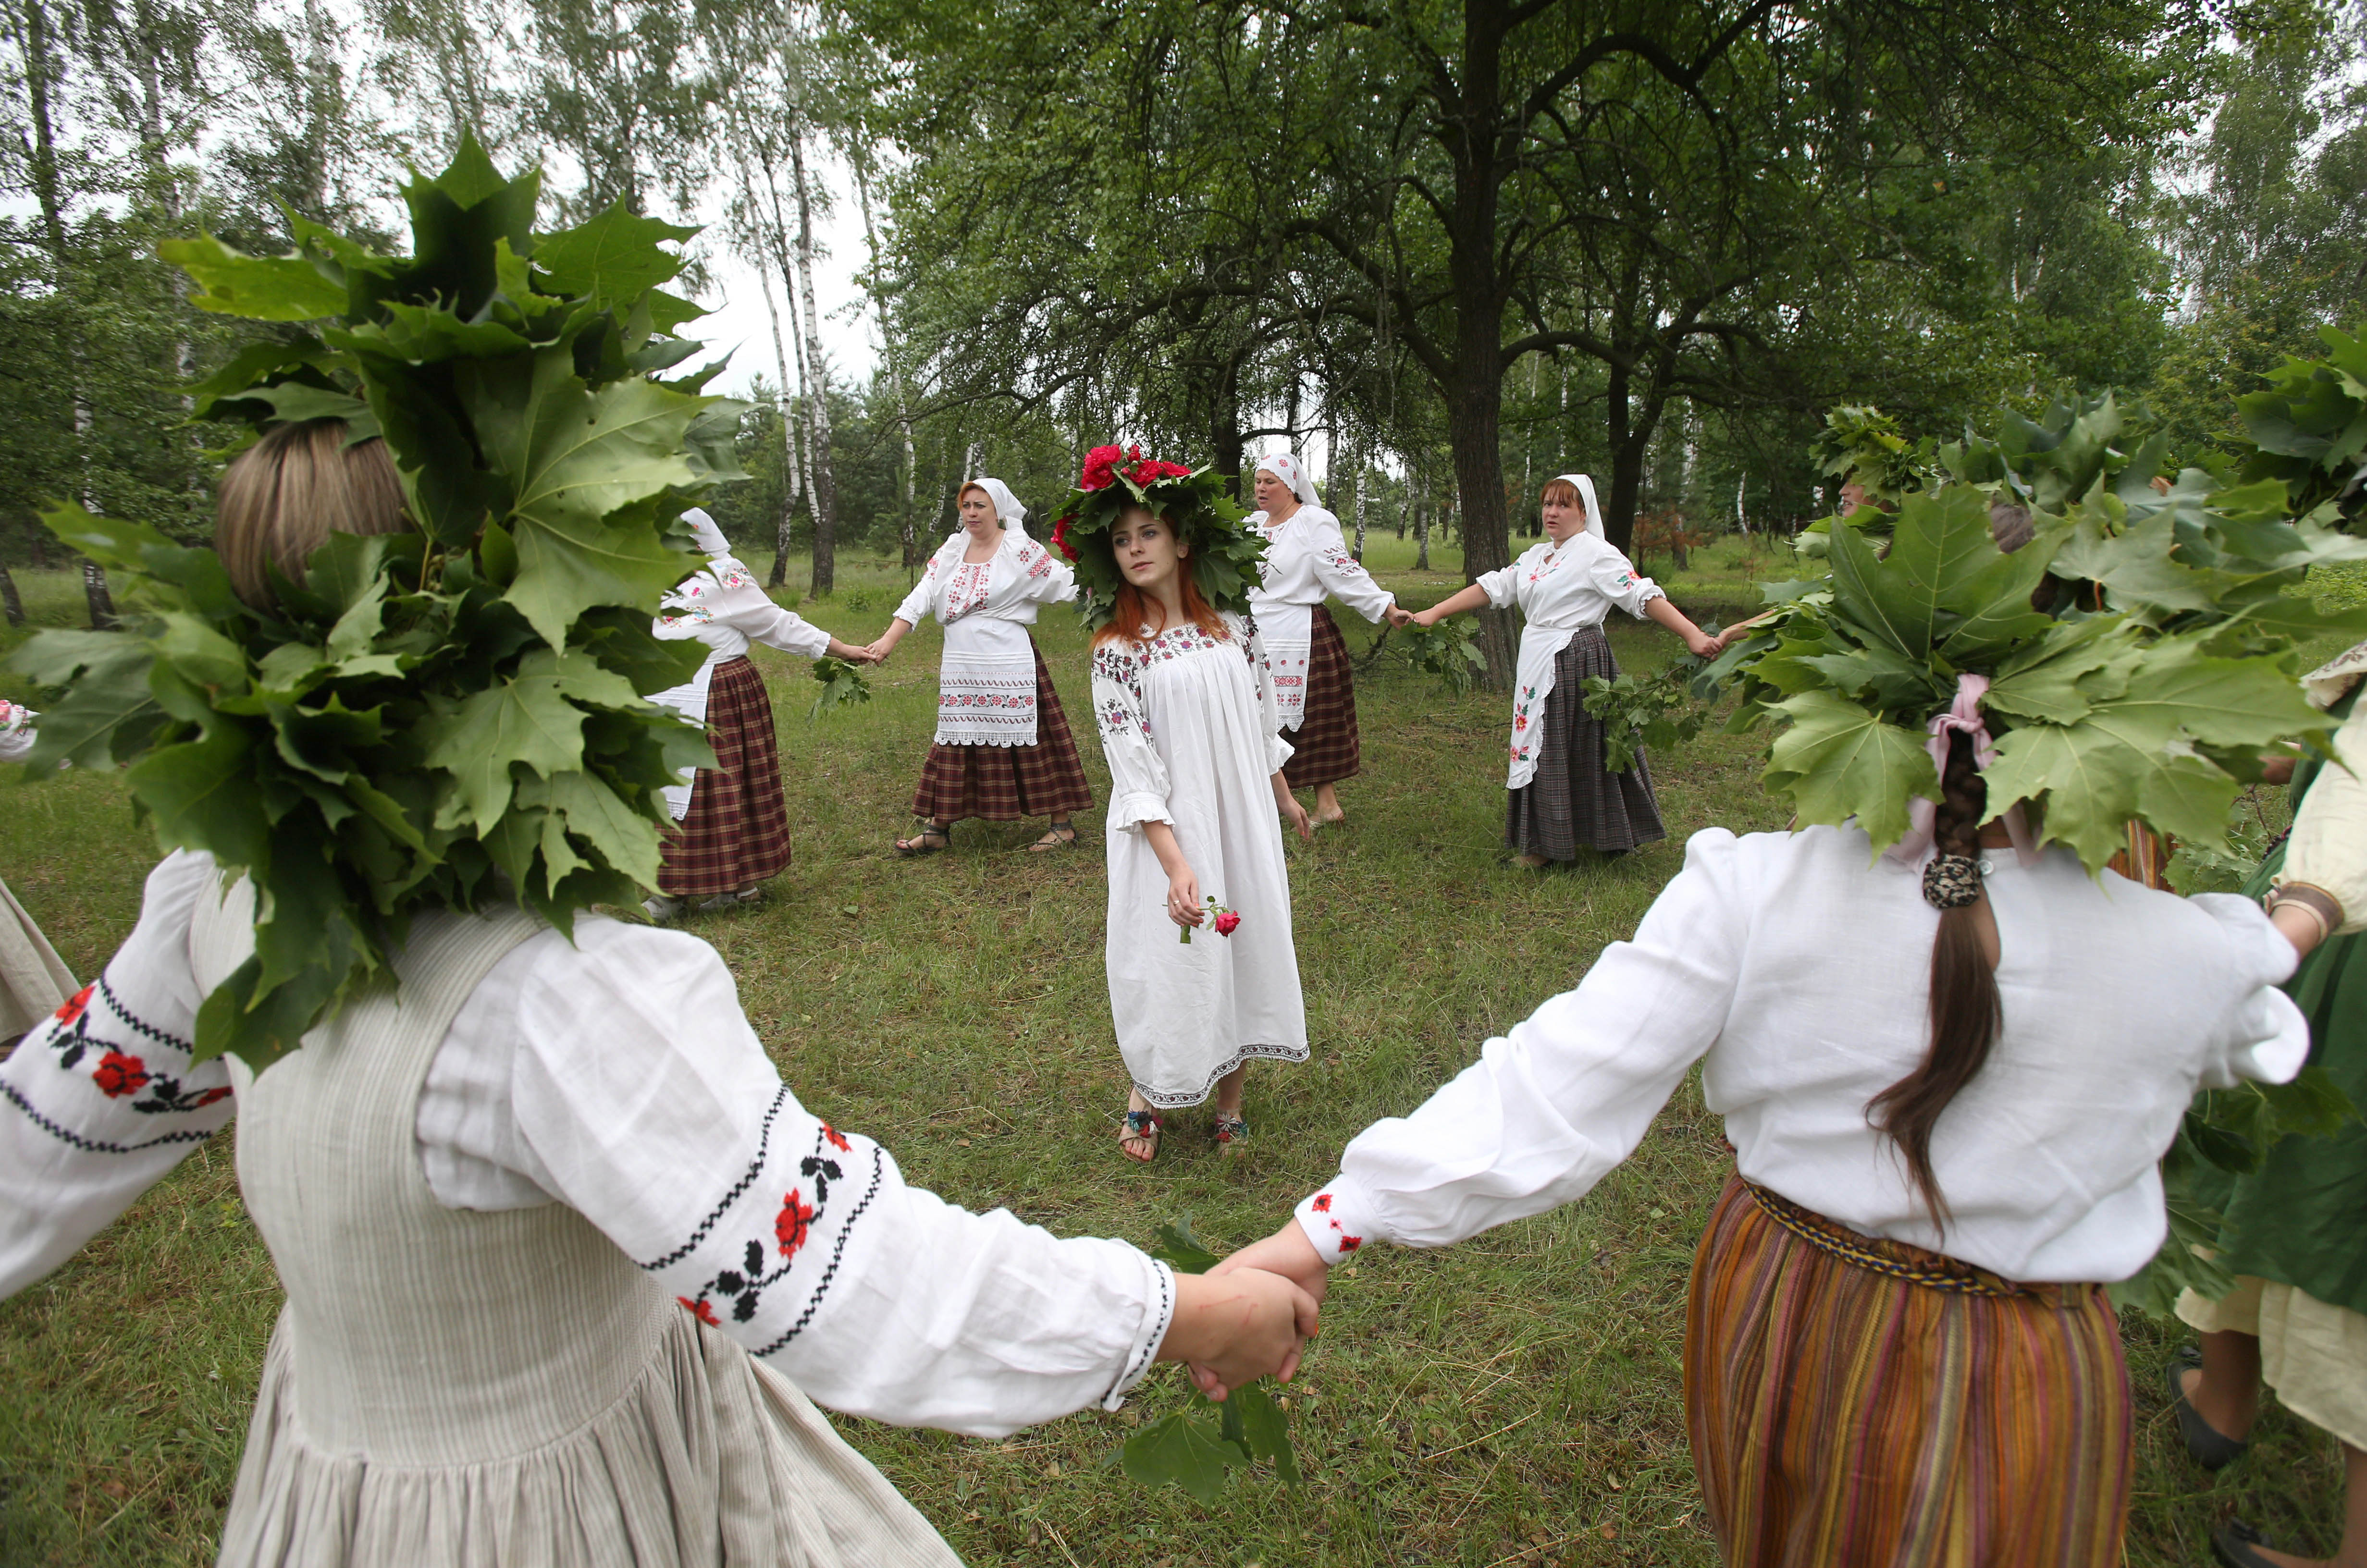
1561	590
1307	561
986	679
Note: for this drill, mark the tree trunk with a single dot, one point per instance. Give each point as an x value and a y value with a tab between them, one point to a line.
825	484
1225	418
1356	476
895	371
1630	435
792	476
8	599
1420	532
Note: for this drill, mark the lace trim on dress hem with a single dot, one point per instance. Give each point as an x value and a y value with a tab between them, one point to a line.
1181	1102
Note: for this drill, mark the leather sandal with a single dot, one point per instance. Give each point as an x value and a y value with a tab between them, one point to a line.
1052	839
2233	1544
2205	1444
1232	1134
920	845
1141	1126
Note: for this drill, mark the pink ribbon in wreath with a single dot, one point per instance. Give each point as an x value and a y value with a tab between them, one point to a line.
1960	717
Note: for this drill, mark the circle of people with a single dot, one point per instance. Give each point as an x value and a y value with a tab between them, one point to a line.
614	1261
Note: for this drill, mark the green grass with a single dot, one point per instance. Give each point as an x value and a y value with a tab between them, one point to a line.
1516	1393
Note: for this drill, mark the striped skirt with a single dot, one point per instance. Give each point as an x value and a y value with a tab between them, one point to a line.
737	831
1002	784
1841	1414
1324	746
1570	803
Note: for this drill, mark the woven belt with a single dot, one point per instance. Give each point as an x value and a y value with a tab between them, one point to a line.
1841	1242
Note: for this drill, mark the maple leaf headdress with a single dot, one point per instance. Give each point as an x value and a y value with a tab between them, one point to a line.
2124	662
1227	554
438	720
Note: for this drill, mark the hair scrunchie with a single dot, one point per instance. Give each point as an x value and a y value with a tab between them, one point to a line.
1951	881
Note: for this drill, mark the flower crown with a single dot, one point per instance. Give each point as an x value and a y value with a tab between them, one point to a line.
1224	553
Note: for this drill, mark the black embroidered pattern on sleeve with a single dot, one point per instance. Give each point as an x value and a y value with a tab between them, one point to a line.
121	1072
760	1266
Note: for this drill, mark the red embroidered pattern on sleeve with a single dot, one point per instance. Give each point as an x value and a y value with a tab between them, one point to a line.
120	1070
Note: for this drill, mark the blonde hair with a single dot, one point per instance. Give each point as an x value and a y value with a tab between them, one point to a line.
286	494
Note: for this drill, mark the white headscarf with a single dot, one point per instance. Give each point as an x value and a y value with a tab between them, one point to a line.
1290	472
704	534
1585	487
1007	511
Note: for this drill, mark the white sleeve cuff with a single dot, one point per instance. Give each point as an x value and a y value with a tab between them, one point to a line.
1135	807
1340	1220
1160	1311
1279	752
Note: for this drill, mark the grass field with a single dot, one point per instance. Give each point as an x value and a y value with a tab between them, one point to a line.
1512	1399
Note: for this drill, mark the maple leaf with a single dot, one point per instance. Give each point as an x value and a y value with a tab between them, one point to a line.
1840	760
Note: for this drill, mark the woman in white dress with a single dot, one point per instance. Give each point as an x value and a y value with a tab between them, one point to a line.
1561	799
33	978
1306	560
1184	701
733	823
1003	751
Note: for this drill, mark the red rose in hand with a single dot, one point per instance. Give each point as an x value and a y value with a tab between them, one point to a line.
1101	468
119	1075
1227	923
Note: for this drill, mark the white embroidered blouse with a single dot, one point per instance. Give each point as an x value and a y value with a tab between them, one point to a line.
1562	590
725	607
986	678
1306	560
617	1076
1799	976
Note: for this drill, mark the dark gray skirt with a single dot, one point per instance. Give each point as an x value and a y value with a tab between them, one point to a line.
1570	803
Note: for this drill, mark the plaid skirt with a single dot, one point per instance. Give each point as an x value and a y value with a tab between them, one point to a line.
1570	803
737	831
1002	784
1853	1400
1325	748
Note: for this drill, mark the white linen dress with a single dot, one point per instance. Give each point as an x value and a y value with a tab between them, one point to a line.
33	978
723	606
1562	590
1307	561
1188	725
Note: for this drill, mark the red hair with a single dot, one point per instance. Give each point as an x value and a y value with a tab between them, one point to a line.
1135	608
1561	491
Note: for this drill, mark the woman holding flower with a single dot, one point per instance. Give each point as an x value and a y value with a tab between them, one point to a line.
1561	797
1307	561
1003	749
1185	700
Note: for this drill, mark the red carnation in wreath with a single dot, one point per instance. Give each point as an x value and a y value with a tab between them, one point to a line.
1060	538
1152	470
1101	468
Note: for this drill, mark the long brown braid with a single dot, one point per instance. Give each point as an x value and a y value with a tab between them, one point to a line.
1966	1011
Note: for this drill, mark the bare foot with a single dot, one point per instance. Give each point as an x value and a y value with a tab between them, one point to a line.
1533	863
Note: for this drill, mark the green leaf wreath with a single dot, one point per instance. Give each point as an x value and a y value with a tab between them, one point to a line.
2138	643
442	719
1226	554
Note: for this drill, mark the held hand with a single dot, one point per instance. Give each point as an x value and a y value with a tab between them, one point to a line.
1425	618
1287	1252
1400	618
1236	1328
1183	898
849	652
1704	646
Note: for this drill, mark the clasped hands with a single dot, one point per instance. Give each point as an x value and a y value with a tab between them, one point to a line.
1250	1316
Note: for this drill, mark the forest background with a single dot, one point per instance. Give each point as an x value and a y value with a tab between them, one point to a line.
1455	249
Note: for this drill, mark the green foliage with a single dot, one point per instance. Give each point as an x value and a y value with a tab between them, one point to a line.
437	720
2134	694
2230	1131
1657	713
1863	444
1183	1449
2308	429
1447	652
842	683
